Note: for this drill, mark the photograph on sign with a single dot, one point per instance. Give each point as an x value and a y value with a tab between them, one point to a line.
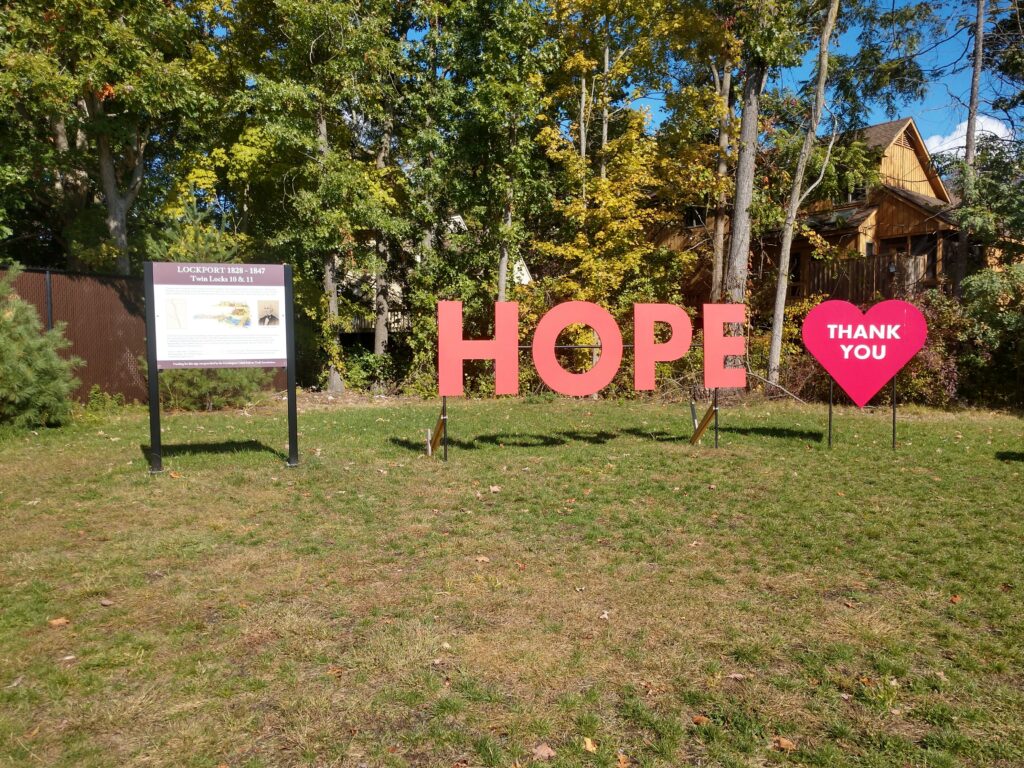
219	315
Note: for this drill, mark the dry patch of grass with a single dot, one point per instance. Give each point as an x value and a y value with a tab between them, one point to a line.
576	571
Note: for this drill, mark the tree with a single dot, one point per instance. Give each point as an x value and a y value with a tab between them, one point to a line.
797	193
968	181
770	31
107	82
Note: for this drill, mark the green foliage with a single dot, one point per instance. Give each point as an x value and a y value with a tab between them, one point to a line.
365	371
35	381
206	389
193	236
99	401
994	302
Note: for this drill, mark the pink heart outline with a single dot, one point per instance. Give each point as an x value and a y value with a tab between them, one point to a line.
861	379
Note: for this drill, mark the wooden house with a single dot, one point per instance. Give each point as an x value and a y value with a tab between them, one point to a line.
896	238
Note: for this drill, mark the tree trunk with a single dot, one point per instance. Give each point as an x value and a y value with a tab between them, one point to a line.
334	382
503	249
381	275
796	194
583	131
967	196
118	203
380	326
71	187
604	101
718	239
739	240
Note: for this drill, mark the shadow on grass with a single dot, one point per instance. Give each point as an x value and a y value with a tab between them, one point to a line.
510	440
657	434
781	433
1010	455
225	446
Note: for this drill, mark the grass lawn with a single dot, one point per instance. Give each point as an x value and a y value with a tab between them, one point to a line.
577	575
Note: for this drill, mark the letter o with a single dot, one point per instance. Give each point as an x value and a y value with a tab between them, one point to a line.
546	360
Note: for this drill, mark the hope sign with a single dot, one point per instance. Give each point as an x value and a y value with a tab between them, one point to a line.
863	351
503	349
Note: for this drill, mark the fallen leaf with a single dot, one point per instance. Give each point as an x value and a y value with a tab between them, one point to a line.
543	752
335	671
495	489
175	475
737	676
589	745
16	682
604	615
106	602
712	487
61	621
483	559
1006	587
783	744
701	720
955	599
622	760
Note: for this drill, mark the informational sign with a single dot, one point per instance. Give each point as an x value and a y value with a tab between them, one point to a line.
863	351
220	315
453	349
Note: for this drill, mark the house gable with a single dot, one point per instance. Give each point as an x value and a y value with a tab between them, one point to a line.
906	162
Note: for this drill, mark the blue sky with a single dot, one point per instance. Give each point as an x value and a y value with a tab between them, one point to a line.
941	116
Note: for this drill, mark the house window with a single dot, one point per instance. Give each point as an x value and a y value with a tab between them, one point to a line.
794	267
869	249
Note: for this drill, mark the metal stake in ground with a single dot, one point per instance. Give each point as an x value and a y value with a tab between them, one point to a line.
716	418
894	413
831	384
444	425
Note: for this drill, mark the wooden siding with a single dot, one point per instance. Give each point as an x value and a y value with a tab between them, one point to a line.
896	218
907	164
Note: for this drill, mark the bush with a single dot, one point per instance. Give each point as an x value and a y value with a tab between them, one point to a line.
211	389
994	363
35	381
365	371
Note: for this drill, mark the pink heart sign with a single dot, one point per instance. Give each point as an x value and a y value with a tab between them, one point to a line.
863	351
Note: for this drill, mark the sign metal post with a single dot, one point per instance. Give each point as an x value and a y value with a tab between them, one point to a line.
293	416
152	373
894	413
831	385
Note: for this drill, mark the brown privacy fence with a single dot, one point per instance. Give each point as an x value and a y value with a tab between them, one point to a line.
105	322
858	279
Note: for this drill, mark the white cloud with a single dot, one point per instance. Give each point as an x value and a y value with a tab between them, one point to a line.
956	141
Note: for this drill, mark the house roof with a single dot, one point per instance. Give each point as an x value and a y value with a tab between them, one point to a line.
938	208
847	217
882	136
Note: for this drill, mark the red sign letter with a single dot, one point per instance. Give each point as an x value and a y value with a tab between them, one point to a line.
646	351
452	349
546	360
717	346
